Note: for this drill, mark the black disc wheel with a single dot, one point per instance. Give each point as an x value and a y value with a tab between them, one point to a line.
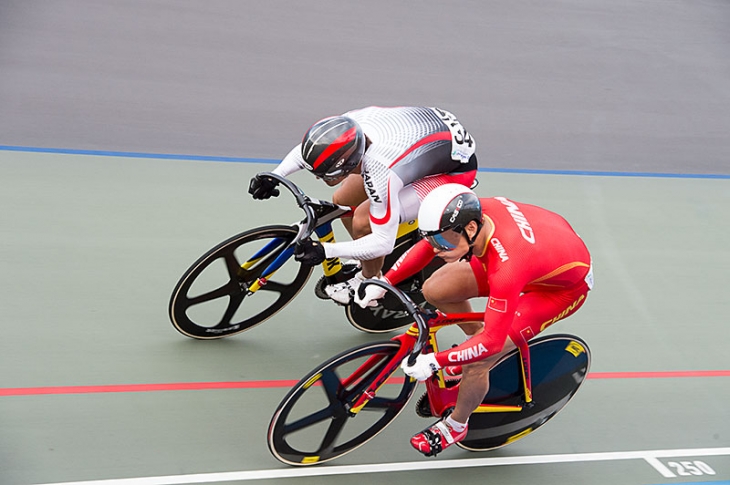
210	301
560	364
387	316
314	424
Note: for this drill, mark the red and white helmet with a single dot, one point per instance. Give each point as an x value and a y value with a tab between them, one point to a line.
333	147
448	207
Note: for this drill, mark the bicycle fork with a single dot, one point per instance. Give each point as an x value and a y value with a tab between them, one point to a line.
407	340
271	268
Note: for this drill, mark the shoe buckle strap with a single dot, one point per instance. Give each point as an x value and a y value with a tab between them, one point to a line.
445	432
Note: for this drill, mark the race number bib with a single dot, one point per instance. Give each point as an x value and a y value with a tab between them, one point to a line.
589	277
463	145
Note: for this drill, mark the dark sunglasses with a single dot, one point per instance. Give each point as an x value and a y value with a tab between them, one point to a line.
438	241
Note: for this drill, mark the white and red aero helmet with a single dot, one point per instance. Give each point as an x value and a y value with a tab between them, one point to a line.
448	206
333	147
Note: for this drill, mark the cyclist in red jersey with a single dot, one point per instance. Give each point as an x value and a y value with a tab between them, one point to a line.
387	160
530	263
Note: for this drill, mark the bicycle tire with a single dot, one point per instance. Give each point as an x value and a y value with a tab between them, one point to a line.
388	315
325	408
234	290
560	364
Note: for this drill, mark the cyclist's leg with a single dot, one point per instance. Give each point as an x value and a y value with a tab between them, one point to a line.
475	377
450	288
351	192
537	310
361	227
425	185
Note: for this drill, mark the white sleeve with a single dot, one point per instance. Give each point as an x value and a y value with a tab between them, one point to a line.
292	162
384	222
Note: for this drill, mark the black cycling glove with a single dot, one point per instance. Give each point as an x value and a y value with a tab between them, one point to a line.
309	252
263	187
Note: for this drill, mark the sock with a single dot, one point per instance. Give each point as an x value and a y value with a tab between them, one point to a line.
455	425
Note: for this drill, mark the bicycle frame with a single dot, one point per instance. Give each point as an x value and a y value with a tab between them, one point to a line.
253	262
314	433
441	396
318	218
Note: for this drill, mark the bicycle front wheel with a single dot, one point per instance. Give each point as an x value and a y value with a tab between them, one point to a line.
207	302
313	423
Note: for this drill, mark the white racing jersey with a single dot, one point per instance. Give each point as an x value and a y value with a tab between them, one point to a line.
408	144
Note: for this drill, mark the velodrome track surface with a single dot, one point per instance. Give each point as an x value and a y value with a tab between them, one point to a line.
122	131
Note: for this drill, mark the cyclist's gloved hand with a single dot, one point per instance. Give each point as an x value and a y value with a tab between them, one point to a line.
372	293
263	187
309	252
424	367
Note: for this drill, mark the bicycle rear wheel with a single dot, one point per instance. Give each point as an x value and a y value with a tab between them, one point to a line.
560	364
389	314
206	302
313	424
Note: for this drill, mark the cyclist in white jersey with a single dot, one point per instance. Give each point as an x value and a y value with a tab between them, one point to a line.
386	160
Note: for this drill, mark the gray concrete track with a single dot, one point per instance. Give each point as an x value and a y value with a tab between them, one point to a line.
579	85
91	246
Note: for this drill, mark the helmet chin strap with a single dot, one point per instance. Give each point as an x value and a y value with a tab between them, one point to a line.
471	241
470	253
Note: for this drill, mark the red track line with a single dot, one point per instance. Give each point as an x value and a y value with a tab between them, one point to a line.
658	375
182	386
197	386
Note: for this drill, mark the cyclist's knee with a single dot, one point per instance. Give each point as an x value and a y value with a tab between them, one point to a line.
452	283
477	369
361	221
440	292
431	291
340	196
350	192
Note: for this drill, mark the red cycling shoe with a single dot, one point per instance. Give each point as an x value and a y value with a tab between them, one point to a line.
437	438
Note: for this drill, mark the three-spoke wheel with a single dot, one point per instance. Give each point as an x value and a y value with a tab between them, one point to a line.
315	423
206	301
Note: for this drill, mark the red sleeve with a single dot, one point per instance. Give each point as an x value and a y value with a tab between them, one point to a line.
498	318
411	262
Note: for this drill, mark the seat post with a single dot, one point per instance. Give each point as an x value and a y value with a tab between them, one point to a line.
524	348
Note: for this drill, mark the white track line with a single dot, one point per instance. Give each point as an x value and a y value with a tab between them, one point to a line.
649	456
660	467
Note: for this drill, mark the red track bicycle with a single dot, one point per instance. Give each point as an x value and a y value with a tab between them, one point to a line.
349	399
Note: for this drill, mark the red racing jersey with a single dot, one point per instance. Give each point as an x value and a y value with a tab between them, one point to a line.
529	249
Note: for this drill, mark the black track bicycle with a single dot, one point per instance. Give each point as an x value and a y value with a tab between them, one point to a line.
346	401
248	278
